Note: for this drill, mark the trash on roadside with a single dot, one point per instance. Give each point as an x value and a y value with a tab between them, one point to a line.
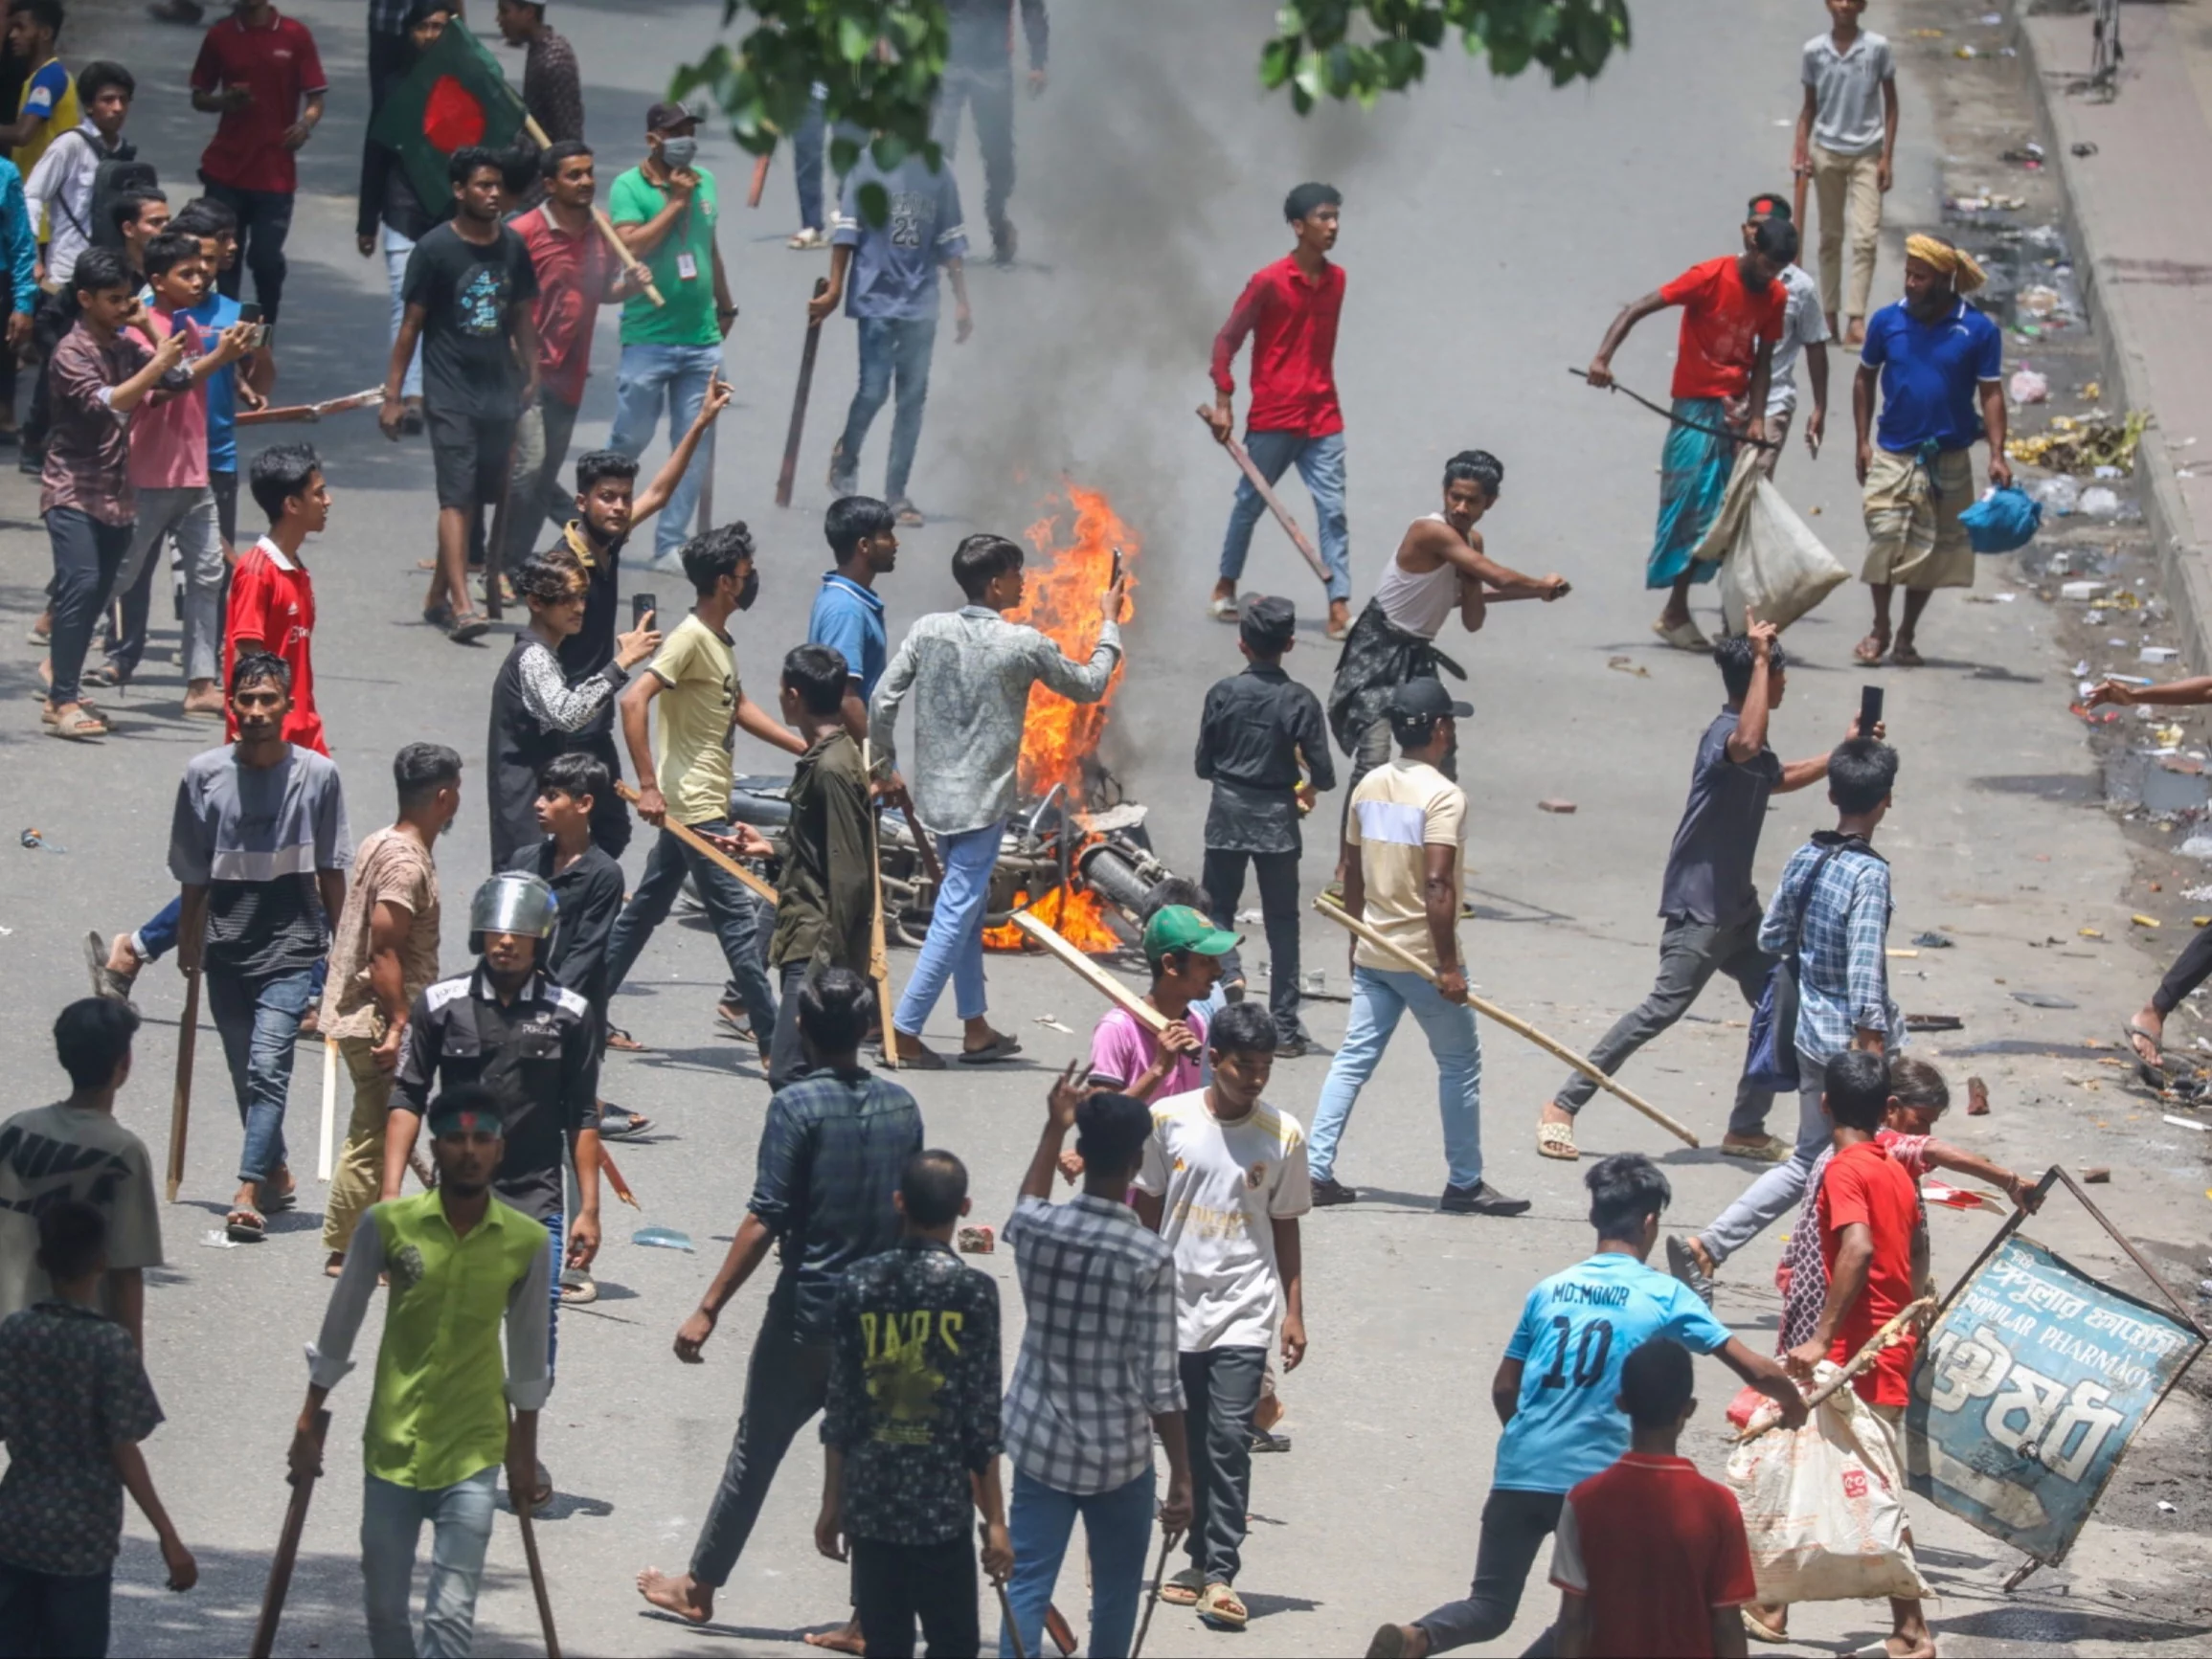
1934	1022
2061	495
1628	665
2026	386
2043	999
1561	807
1057	1025
2027	151
664	1239
36	842
2100	503
2091	932
2105	717
2188	1123
2080	590
1931	941
2197	846
978	1239
2156	654
2097	1175
1976	1097
215	1239
2039	299
2084	149
1898	953
2142	921
2076	443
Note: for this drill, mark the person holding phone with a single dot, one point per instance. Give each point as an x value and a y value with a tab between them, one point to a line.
260	73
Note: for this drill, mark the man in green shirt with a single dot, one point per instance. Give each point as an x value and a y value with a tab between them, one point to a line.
460	1261
664	211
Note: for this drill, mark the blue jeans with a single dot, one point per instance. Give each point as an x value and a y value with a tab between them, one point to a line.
1379	997
889	346
954	949
648	376
1117	1526
392	1518
54	1615
1320	462
259	1020
730	906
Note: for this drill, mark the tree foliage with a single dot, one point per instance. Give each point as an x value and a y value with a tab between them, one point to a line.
1343	49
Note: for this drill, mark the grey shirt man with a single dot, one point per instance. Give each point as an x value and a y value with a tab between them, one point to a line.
1709	875
1847	91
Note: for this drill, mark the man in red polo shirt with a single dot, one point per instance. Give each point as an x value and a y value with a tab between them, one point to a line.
1290	310
260	73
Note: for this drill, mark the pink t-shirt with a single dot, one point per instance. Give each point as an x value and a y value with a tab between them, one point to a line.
168	438
1122	1049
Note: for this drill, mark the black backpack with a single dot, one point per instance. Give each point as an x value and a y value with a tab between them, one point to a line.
119	175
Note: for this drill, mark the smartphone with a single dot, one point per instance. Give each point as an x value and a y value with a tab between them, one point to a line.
642	606
1869	709
1116	575
250	314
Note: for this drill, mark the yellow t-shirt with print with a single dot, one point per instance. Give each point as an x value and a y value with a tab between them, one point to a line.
698	672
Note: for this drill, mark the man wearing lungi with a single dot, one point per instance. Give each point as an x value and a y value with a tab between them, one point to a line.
1936	357
1732	316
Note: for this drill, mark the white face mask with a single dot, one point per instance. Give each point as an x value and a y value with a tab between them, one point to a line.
679	152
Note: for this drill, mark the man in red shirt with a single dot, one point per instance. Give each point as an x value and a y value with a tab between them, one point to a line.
272	597
1290	310
1649	1558
576	274
1733	314
260	73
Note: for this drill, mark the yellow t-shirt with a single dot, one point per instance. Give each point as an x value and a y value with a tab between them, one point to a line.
61	115
1399	812
691	747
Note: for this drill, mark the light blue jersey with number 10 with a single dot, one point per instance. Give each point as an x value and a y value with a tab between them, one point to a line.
1577	1330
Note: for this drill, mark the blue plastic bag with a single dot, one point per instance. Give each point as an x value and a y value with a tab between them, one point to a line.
2002	520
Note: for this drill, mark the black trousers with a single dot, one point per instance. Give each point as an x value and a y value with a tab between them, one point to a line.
786	1385
1220	1392
896	1584
786	1054
1223	877
2190	970
1514	1527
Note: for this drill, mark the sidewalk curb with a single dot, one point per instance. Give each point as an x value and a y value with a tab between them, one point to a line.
2183	572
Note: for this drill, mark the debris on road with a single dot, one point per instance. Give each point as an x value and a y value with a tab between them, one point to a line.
2043	999
1931	941
1562	807
2097	1175
2079	443
664	1239
1628	666
1976	1097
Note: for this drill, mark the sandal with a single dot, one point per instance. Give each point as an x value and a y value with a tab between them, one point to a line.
1183	1590
1556	1140
1763	1633
1871	649
921	1060
246	1225
1681	635
1000	1047
621	1040
1769	1148
1904	656
1222	610
620	1123
280	1203
1218	1606
2151	1071
76	724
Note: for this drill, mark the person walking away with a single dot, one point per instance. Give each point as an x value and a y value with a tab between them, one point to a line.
390	216
383	955
261	805
979	76
101	373
1707	897
1290	310
19	248
1098	1375
1263	746
969	673
259	71
1733	309
826	903
832	1152
75	1401
75	1151
1186	952
1558	1391
47	105
702	701
462	1264
1650	1555
910	1427
536	709
470	290
666	211
1846	144
215	228
1831	912
552	87
847	613
1224	1182
1940	365
1803	329
1401	876
886	276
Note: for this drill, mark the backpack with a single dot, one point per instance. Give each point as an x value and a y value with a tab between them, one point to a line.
117	174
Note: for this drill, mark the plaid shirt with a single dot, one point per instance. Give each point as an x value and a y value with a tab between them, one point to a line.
1098	1356
1842	976
87	450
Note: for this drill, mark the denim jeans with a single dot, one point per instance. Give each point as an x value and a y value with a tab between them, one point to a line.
392	1518
890	347
984	83
677	375
1320	462
54	1615
87	555
730	906
265	221
1514	1527
954	949
259	1020
156	938
807	146
786	1384
1117	1526
1780	1189
1379	997
1221	1389
533	493
396	248
189	515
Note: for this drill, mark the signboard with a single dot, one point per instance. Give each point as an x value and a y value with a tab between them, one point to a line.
2028	1389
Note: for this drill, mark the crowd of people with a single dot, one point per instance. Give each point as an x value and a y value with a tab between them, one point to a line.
1159	1256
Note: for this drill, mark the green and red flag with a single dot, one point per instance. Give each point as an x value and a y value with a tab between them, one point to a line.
456	96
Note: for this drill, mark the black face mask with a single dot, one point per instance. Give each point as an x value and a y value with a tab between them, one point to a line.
749	591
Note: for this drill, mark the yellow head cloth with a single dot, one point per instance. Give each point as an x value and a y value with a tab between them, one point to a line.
1965	275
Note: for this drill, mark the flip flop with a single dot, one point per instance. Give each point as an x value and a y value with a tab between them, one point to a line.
1772	1149
77	725
927	1060
1219	1607
2152	1072
1222	610
1681	635
282	1204
1556	1140
245	1226
1904	656
623	1043
1183	1590
1001	1047
1761	1632
1871	650
624	1125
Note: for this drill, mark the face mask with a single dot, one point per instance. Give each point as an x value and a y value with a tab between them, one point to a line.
749	591
679	152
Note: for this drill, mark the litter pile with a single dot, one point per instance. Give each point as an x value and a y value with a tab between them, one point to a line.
2083	443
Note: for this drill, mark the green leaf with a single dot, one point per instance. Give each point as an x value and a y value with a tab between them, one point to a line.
874	202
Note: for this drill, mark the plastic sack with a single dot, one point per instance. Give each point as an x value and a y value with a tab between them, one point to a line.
2002	520
2100	503
1770	562
2026	386
1823	1506
2060	494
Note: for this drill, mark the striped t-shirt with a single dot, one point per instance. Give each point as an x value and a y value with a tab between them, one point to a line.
255	836
1398	812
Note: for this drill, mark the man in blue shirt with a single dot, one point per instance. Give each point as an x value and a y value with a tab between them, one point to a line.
1936	357
893	268
1556	1392
847	613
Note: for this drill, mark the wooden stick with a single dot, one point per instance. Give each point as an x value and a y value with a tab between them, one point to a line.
1887	1337
759	179
629	261
1005	1607
325	1155
495	545
180	1107
922	841
706	848
367	399
280	1582
1167	1539
1797	217
545	1618
703	458
878	951
1259	481
789	474
615	1178
1099	980
1511	1022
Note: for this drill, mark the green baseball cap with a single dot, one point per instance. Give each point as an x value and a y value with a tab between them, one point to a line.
1179	927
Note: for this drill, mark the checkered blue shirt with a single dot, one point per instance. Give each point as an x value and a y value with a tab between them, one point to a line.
1843	977
1097	1360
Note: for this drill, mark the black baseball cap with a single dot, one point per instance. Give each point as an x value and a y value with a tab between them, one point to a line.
668	116
1769	205
1268	623
1427	700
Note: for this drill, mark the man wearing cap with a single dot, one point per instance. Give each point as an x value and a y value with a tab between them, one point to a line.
529	1041
1803	329
1262	745
1935	358
665	210
1402	878
1184	952
460	1264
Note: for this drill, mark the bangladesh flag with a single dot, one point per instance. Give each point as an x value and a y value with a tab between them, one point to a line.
456	96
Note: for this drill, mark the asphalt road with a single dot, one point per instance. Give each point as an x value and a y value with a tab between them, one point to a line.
1491	229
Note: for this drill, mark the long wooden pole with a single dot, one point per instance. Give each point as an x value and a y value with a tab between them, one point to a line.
706	848
788	474
1860	1362
760	181
1167	1538
326	1152
545	1616
1511	1022
1797	220
280	1583
878	951
1283	517
180	1107
628	260
1099	979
